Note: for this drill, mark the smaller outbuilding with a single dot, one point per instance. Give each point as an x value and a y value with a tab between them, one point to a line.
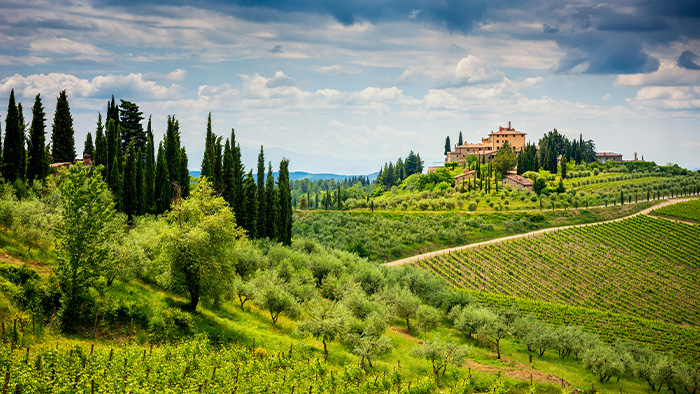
459	179
518	182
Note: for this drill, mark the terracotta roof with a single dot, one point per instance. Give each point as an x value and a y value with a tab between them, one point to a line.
608	154
62	164
521	180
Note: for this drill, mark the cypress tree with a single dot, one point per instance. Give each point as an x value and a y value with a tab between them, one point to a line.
100	144
563	167
140	189
184	174
62	135
207	160
115	183
172	151
37	168
250	203
448	146
261	196
89	148
339	199
113	112
461	141
238	172
111	144
23	145
216	170
227	178
285	197
271	206
14	142
149	175
162	188
129	194
131	128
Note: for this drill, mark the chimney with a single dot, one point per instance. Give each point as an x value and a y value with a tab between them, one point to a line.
635	156
509	125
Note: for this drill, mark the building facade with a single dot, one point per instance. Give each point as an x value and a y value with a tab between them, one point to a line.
518	182
488	147
602	157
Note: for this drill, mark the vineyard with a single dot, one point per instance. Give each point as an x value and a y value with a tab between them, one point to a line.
682	341
689	210
642	267
196	366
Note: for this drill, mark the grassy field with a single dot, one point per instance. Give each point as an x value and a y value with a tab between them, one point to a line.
387	236
689	210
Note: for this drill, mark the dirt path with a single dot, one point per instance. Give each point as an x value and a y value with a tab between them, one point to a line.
419	257
517	371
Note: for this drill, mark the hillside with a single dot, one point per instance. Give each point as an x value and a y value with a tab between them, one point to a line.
641	267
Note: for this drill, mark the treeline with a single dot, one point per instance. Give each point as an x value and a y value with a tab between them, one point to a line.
393	174
262	208
554	145
27	158
141	182
322	193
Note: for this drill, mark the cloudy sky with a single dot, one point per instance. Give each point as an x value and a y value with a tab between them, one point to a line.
342	86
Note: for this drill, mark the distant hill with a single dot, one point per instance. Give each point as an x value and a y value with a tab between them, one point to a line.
297	175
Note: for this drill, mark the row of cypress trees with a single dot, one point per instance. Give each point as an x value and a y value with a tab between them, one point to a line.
140	181
25	158
262	208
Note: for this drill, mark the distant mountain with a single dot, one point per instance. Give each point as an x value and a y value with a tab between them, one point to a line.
297	175
695	169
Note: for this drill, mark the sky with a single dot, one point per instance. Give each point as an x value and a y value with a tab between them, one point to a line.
343	86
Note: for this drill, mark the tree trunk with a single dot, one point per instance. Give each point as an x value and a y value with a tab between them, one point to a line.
498	347
325	351
408	325
194	300
362	363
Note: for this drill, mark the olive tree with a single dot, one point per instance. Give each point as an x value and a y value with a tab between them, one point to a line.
273	295
197	244
324	321
440	353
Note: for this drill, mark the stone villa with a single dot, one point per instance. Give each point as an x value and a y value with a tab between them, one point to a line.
488	147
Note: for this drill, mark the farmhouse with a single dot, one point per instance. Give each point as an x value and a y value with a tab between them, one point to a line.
488	147
518	182
602	157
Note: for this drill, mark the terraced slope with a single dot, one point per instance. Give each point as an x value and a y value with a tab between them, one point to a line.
643	267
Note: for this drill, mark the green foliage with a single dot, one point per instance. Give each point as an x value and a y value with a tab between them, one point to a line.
81	241
37	162
130	126
196	244
440	353
62	138
505	159
13	166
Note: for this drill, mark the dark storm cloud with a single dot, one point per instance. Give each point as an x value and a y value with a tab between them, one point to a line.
598	38
687	60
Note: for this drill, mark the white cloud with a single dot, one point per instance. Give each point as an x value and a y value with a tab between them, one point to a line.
65	46
337	70
100	86
669	74
691	144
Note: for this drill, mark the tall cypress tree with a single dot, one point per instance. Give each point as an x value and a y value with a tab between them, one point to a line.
460	141
89	147
14	142
285	204
172	151
111	138
115	183
207	160
163	191
37	167
23	146
131	128
112	112
238	172
227	177
184	174
271	206
250	206
129	194
149	176
62	135
216	169
140	189
100	144
261	196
